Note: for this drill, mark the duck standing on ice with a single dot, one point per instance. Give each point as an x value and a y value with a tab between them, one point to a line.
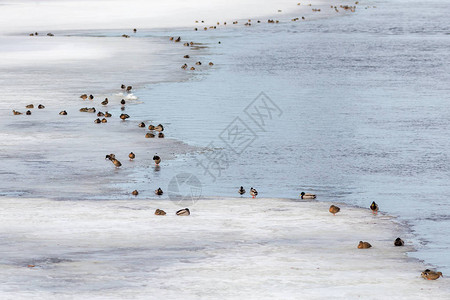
253	192
374	207
241	191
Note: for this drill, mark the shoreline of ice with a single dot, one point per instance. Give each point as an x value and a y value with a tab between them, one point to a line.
228	247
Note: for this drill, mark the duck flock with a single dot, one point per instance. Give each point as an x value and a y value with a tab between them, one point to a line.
426	274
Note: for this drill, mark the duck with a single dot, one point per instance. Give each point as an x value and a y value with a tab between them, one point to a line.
151	127
192	69
304	195
184	67
159	128
104	120
129	88
122	102
124	116
160	212
28	112
159	192
91	97
183	212
171	38
108	115
161	135
156	159
15	112
110	156
334	209
40	106
125	35
149	135
91	110
105	102
100	114
84	96
374	207
211	63
199	63
178	39
116	162
364	245
97	121
431	275
142	124
253	192
134	30
135	193
123	86
399	242
29	106
186	56
63	113
241	191
131	156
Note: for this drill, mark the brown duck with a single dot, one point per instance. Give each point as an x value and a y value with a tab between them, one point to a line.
131	156
399	242
160	212
364	245
431	275
334	209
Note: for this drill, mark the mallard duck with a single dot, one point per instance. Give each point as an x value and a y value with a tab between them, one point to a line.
105	102
186	44
184	67
253	192
124	116
364	245
116	162
149	135
91	110
108	115
63	113
100	114
160	212
97	121
156	159
192	69
29	106
161	135
123	86
28	112
186	56
91	97
40	106
159	128
211	63
142	124
110	156
125	35
122	102
129	88
15	112
241	191
334	209
131	156
304	195
151	127
84	96
374	207
83	109
135	193
159	191
183	212
399	242
178	39
431	275
199	63
171	38
104	120
134	30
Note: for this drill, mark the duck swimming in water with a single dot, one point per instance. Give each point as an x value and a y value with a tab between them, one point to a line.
151	127
334	209
160	212
97	121
149	135
161	135
374	207
364	245
241	191
129	88
135	193
15	112
104	120
183	212
124	116
142	124
40	106
116	162
63	113
431	275
123	86
159	192
91	97
156	159
304	195
100	114
399	242
131	156
84	96
105	102
29	106
122	101
107	114
28	112
159	128
253	192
